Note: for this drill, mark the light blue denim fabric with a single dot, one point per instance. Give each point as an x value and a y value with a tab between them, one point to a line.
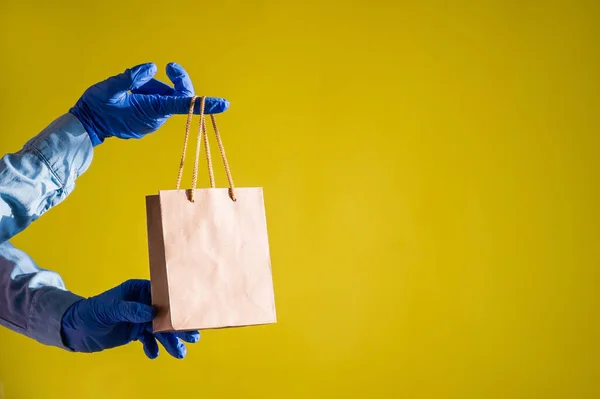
33	180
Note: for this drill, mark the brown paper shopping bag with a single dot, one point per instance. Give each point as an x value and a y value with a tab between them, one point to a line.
209	251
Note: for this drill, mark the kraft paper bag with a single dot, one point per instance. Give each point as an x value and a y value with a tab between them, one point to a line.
209	252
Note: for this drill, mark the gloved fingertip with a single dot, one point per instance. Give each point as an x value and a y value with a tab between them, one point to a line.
194	336
143	68
225	105
150	355
150	345
173	67
213	106
190	337
142	74
150	67
180	79
147	312
181	350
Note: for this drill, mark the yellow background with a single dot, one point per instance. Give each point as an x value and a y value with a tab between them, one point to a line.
431	175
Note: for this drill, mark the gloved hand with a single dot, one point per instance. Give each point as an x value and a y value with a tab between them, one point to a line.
133	103
117	317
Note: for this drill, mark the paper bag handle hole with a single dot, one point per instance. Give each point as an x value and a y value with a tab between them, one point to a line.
190	195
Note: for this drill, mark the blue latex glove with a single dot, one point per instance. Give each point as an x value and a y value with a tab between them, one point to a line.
133	103
117	317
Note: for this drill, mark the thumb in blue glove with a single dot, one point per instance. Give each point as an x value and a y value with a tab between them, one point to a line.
117	317
134	104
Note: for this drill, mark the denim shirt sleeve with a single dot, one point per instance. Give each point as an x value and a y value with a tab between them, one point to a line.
33	180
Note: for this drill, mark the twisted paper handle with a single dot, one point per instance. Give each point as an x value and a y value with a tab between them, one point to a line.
203	135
